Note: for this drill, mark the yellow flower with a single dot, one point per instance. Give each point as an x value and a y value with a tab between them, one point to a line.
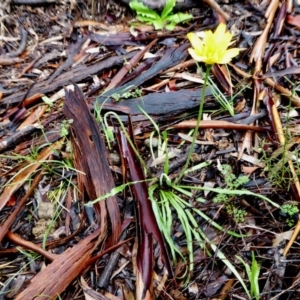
213	48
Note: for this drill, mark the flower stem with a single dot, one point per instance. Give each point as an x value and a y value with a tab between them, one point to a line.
208	68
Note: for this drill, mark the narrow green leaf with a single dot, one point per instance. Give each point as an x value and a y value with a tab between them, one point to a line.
114	191
179	18
47	101
233	192
168	8
165	223
170	26
166	164
145	19
224	259
158	24
255	267
143	10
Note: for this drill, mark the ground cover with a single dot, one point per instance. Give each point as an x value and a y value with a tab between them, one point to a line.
143	162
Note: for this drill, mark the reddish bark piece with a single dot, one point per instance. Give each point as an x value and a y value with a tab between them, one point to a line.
148	226
222	75
293	20
51	281
34	117
127	67
11	201
91	158
29	245
269	103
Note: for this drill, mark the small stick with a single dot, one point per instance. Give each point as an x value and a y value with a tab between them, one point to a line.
215	6
29	245
218	124
292	239
7	61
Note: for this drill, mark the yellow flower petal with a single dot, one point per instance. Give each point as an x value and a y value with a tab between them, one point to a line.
196	56
195	41
229	55
224	41
209	43
220	31
213	48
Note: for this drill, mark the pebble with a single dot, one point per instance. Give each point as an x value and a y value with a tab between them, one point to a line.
154	142
115	159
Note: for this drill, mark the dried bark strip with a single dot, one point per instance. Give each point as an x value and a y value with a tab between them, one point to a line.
5	227
72	51
148	226
257	52
16	137
158	104
118	39
75	74
215	6
25	173
90	157
54	279
40	141
172	57
126	68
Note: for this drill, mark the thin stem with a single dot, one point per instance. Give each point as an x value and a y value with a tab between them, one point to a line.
208	68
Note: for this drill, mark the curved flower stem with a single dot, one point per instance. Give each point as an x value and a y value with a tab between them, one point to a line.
208	68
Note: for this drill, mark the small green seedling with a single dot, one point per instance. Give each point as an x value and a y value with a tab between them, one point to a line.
232	183
130	94
290	208
64	129
166	20
253	274
47	101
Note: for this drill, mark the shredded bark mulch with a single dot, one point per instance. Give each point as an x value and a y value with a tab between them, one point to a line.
84	88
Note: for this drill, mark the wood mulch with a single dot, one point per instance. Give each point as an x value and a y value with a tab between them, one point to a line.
63	66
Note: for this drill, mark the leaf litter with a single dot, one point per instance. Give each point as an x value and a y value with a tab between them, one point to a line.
63	73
